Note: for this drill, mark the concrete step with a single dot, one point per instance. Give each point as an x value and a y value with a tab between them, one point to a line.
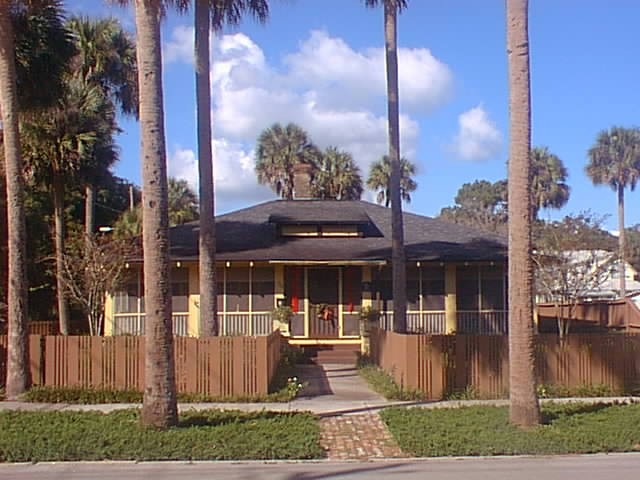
339	354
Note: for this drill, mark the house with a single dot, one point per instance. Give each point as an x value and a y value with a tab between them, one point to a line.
327	260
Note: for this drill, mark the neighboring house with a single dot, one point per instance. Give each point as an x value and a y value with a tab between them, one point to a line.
327	260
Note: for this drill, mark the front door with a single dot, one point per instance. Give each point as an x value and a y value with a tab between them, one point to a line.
324	318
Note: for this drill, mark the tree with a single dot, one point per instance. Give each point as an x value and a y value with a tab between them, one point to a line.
548	181
279	149
524	409
33	45
480	204
183	202
106	59
391	9
92	267
61	141
380	180
211	13
572	259
338	176
159	408
614	160
18	354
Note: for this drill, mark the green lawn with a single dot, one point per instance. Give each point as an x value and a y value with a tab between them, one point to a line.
569	428
208	435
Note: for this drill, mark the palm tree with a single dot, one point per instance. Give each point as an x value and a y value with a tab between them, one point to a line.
549	176
183	202
159	408
380	180
614	160
279	149
36	45
391	9
18	352
105	58
524	409
212	13
59	143
338	176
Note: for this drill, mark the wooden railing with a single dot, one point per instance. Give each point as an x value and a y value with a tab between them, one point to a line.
124	324
418	322
441	364
255	323
484	322
216	366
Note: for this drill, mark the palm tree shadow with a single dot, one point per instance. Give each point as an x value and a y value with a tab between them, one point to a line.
568	410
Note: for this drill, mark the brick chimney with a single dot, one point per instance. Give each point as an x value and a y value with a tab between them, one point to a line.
302	181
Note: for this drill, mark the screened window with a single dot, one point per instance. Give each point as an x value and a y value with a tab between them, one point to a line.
433	288
179	290
126	298
413	288
384	288
294	288
467	288
262	289
492	287
351	289
238	289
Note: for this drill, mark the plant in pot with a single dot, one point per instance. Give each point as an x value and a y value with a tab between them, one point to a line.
283	314
369	318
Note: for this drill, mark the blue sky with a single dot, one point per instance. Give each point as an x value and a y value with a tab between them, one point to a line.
320	64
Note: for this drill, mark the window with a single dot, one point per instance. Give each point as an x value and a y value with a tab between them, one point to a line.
492	287
320	231
179	290
467	288
127	297
384	288
413	288
238	289
480	288
433	288
294	288
262	289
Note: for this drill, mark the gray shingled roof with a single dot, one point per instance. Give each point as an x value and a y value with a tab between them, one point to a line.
248	234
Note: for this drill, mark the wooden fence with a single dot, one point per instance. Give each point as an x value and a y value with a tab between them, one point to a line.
215	366
616	314
35	359
439	365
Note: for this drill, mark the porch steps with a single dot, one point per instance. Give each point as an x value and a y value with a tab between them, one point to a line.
328	354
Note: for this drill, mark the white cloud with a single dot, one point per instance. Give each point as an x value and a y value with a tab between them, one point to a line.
337	94
233	173
478	138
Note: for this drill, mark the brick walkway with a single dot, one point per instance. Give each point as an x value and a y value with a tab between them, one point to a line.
357	437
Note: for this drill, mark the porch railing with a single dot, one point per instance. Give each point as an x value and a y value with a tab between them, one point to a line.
233	324
486	322
418	322
134	324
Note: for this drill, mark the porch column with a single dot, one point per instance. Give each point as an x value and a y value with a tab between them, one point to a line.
450	300
367	297
108	314
278	293
193	324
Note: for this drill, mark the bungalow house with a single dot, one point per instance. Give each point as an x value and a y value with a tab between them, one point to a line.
327	260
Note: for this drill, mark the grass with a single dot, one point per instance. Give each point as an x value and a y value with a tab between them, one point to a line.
208	435
568	428
384	384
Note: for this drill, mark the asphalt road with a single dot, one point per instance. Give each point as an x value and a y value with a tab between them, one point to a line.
596	467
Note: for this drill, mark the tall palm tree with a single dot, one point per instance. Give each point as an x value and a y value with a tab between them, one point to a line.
59	143
380	180
215	14
338	176
159	408
18	352
614	160
33	43
391	9
105	58
279	149
549	176
524	409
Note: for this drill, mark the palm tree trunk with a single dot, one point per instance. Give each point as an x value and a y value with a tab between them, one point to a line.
90	210
207	239
58	217
524	403
159	408
18	352
621	242
397	233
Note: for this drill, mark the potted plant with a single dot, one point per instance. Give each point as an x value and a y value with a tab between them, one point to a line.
369	318
283	314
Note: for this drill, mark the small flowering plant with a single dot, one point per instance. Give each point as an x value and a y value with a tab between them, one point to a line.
293	387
